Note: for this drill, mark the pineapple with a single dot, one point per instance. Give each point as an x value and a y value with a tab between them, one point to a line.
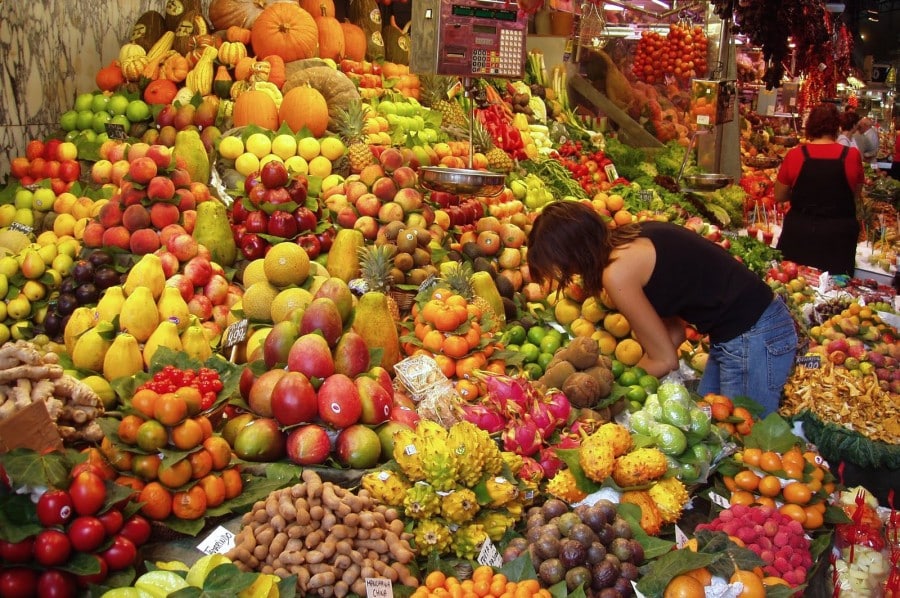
498	160
435	96
350	124
459	279
375	263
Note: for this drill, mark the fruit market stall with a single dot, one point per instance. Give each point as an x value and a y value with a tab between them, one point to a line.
267	357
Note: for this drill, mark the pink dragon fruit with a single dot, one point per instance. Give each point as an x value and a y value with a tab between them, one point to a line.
530	471
484	417
550	463
542	416
559	405
509	393
522	437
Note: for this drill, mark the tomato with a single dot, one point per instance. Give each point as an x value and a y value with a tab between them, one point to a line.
86	533
112	521
18	582
54	507
16	552
52	547
137	529
96	578
54	583
88	493
121	554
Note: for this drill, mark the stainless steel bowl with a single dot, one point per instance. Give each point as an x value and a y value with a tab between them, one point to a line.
462	181
707	181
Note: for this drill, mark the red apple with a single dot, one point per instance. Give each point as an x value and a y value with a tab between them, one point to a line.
311	244
282	224
306	219
273	174
256	222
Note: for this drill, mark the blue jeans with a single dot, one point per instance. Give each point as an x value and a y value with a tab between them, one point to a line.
754	364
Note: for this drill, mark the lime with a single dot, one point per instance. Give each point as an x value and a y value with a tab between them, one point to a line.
638	371
702	453
669	439
616	367
536	333
688	473
671	391
550	343
649	382
636	393
513	348
634	406
515	334
544	359
530	351
533	371
627	378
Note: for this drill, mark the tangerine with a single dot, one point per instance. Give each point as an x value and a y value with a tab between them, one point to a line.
170	409
435	579
769	486
176	475
233	482
157	501
220	451
152	435
684	586
797	493
433	341
189	504
795	512
466	366
143	401
128	428
482	573
753	585
214	488
770	461
201	463
187	435
746	480
467	390
455	346
446	364
145	467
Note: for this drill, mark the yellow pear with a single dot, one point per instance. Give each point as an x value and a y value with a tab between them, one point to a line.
110	304
195	344
91	348
148	272
172	305
82	319
139	314
165	335
124	358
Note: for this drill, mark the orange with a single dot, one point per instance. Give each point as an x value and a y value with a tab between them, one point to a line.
189	504
187	435
433	341
220	451
730	483
157	501
467	390
769	486
214	488
684	586
753	585
766	501
797	493
482	573
233	482
201	463
455	346
192	398
446	364
152	435
131	482
814	518
128	428
751	456
176	475
770	461
170	409
205	425
435	579
143	401
702	575
741	497
795	512
145	467
746	425
746	480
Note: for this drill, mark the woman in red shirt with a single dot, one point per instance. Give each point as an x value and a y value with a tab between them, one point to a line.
822	181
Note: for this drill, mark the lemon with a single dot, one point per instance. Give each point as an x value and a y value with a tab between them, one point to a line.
288	300
247	163
231	147
199	570
9	266
254	272
286	264
332	148
284	146
320	166
257	301
259	144
308	148
270	158
296	165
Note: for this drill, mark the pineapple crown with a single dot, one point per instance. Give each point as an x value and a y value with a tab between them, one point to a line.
459	278
375	263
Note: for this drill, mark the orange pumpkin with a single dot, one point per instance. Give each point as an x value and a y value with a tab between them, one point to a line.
277	73
331	37
110	77
237	34
160	91
175	68
304	106
243	13
255	108
287	30
318	7
244	68
354	41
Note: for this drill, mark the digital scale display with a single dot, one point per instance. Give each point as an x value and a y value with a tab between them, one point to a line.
497	14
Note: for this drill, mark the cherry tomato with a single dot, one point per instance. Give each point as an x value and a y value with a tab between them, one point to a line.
137	529
16	552
18	582
54	583
95	578
54	507
86	533
52	547
121	554
112	521
88	493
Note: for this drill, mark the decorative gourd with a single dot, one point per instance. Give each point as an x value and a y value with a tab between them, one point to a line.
354	41
286	30
231	52
160	91
236	33
244	68
147	29
304	107
276	73
200	77
222	82
337	89
243	13
367	15
318	7
130	51
132	60
174	68
254	107
331	36
191	25
396	42
177	10
199	43
110	77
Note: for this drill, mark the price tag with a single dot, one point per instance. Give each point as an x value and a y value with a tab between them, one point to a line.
680	537
379	587
645	195
235	333
489	555
809	361
703	119
611	173
718	499
824	282
22	228
116	131
220	541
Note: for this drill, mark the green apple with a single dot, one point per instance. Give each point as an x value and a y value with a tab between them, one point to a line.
84	101
24	198
117	104
7	213
98	124
99	102
84	120
43	198
137	111
69	120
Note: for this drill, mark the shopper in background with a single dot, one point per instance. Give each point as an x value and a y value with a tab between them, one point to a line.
822	181
895	157
848	129
867	139
660	275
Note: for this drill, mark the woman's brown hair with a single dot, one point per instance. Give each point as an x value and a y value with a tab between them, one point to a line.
569	239
823	121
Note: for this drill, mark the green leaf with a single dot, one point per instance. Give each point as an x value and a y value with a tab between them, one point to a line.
819	545
519	569
571	458
228	578
283	472
653	546
287	587
18	518
115	494
559	590
655	579
81	563
836	515
710	542
188	592
771	434
26	467
187	527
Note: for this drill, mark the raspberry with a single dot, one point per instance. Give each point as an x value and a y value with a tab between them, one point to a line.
767	555
782	565
781	539
796	559
726	515
746	535
770	527
764	543
795	527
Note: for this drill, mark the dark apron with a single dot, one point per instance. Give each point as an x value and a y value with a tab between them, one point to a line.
820	229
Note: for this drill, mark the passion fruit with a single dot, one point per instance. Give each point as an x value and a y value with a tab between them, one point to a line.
547	547
604	575
572	553
621	547
566	522
621	528
551	572
554	508
578	577
596	552
583	534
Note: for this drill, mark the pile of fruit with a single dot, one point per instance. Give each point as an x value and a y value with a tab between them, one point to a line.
682	52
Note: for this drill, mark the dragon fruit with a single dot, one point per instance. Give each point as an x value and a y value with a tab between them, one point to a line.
522	437
530	471
559	405
549	462
543	418
509	393
484	417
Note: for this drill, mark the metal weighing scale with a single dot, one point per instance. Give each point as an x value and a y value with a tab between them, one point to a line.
467	39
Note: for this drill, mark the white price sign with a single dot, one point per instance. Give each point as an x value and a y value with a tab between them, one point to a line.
489	555
219	541
379	587
720	500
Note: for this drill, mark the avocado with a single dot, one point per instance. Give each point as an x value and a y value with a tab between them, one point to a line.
483	264
510	309
505	287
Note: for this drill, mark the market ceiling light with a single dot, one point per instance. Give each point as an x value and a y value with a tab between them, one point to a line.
660	3
612	7
837	7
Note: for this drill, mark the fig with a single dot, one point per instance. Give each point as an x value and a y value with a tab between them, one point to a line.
551	572
577	578
572	553
554	508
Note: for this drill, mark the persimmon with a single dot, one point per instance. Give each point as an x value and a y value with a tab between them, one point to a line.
143	401
176	475
157	501
233	482
189	504
455	346
684	586
187	435
128	428
214	488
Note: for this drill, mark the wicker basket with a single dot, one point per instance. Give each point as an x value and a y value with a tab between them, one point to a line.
404	300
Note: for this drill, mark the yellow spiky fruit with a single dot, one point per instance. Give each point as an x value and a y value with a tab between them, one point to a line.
564	487
670	497
459	506
651	519
432	536
639	467
596	458
616	436
386	486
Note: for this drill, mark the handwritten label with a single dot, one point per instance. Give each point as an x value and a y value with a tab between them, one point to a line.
718	499
116	131
379	587
611	173
810	362
824	282
236	333
703	119
489	555
680	537
219	541
22	228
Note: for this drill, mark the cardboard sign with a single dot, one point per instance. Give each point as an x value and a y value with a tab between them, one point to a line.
30	428
236	333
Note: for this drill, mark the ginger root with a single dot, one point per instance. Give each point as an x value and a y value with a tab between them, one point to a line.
77	391
31	372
